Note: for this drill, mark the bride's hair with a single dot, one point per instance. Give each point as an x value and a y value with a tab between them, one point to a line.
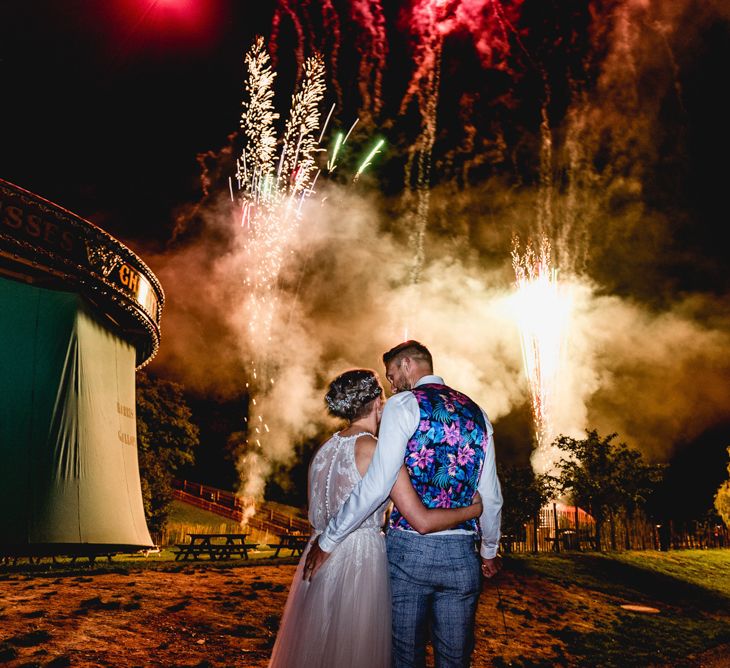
350	394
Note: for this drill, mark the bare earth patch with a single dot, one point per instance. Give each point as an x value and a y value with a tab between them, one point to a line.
203	616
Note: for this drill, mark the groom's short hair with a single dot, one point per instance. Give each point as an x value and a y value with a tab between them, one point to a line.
412	349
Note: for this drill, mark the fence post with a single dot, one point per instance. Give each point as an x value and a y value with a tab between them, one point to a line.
556	543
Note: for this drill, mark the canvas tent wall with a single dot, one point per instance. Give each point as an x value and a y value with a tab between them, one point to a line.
69	476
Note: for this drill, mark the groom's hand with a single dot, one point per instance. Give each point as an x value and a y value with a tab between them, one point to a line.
315	560
490	567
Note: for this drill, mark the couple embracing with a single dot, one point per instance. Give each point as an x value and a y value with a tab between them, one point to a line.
358	599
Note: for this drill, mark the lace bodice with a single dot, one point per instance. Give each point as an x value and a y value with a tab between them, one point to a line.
332	476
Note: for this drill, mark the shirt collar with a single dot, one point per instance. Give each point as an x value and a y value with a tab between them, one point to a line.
430	379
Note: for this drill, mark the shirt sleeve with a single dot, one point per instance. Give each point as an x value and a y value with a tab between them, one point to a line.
399	423
491	494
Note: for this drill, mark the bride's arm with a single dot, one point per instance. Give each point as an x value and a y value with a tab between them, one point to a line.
427	520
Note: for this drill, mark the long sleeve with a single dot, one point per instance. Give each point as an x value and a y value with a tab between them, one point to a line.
399	422
491	494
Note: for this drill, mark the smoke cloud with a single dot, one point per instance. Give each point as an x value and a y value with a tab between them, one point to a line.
642	359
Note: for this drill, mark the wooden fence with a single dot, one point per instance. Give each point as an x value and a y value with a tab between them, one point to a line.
264	516
563	528
558	528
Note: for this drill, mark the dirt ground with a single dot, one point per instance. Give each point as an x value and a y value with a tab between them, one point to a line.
198	615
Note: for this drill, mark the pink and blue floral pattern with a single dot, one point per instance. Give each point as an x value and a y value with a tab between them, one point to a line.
444	457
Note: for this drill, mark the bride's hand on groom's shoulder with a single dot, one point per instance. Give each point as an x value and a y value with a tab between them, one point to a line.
315	560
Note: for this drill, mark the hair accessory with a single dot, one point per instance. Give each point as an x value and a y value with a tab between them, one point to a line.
351	391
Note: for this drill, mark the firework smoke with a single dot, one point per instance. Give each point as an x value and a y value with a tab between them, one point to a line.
271	194
430	22
636	351
341	301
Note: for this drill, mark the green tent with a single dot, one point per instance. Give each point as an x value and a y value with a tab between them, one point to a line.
69	475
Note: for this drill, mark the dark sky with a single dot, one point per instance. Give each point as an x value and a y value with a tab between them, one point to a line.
105	105
107	102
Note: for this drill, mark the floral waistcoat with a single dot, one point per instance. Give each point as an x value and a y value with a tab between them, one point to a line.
444	457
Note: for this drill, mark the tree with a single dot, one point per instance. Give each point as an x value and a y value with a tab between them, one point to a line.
722	498
524	494
166	440
604	477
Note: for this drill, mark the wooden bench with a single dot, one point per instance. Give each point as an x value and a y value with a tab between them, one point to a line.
215	546
296	542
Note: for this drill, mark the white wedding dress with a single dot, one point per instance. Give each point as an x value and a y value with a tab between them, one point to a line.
341	619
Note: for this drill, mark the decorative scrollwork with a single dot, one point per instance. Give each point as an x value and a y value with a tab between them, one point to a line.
102	258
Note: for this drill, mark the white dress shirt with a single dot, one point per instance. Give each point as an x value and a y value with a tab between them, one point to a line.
401	417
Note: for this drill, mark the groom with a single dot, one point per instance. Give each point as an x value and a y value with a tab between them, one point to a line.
445	440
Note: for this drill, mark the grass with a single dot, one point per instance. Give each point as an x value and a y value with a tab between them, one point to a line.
706	569
691	589
185	513
185	518
678	578
164	560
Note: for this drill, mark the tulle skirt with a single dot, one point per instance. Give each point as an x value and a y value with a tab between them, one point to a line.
342	618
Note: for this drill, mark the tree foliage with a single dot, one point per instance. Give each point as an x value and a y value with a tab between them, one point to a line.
604	477
524	493
166	440
722	498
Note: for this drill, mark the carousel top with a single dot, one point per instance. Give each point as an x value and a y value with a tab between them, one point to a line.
46	245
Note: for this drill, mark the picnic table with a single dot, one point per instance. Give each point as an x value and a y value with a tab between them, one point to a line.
215	545
296	542
568	539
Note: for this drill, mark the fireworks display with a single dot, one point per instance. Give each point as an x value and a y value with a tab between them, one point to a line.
443	129
274	178
561	123
542	308
271	192
431	21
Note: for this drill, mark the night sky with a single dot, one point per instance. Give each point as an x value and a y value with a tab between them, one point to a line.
107	105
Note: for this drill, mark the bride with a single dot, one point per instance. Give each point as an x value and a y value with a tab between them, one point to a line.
342	618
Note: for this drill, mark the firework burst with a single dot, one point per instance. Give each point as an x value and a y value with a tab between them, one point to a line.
275	177
543	307
271	191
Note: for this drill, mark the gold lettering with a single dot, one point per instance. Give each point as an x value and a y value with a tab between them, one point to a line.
50	232
67	242
125	438
33	225
126	411
13	217
129	277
